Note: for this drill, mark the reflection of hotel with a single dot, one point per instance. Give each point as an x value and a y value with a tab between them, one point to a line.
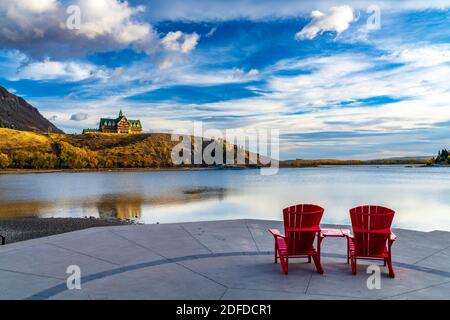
128	206
123	209
128	211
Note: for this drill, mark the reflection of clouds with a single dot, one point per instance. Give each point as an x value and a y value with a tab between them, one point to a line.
420	213
194	211
187	195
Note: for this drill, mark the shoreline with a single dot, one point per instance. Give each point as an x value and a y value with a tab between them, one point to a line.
22	229
35	171
42	171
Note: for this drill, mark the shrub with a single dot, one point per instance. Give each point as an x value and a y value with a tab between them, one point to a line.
76	158
34	160
41	160
4	161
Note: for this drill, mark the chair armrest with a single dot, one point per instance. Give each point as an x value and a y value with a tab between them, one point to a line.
347	233
392	237
276	233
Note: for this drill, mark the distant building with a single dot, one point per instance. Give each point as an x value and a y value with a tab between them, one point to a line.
118	125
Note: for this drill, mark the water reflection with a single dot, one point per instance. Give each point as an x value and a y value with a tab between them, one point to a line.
19	209
128	206
124	206
120	207
419	195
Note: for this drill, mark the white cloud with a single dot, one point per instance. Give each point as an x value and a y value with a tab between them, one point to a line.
188	75
426	56
207	10
242	74
51	70
176	46
114	19
180	42
38	29
338	19
36	6
345	78
39	26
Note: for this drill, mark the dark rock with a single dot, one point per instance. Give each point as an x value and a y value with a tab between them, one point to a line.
16	113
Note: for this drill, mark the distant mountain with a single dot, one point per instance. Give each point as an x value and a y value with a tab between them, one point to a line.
16	113
334	162
411	158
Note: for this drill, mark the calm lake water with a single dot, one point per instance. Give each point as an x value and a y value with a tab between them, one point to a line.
420	196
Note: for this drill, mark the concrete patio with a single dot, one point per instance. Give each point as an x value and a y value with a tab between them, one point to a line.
212	260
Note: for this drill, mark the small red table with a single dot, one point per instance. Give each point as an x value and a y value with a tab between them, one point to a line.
337	233
326	232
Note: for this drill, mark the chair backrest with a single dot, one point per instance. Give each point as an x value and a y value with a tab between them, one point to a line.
301	223
371	228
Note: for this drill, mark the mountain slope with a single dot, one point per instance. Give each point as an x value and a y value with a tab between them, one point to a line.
18	114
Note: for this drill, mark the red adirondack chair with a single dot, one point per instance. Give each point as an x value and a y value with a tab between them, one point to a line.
372	236
301	227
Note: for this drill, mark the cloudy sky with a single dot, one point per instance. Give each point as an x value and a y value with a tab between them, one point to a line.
334	82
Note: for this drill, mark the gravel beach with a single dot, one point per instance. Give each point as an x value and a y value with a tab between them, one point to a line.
15	230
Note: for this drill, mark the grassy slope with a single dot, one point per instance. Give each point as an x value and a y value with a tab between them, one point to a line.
13	140
111	150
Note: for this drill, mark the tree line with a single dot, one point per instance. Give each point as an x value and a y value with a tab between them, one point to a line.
66	156
443	157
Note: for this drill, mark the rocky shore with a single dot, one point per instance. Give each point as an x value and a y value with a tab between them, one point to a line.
15	230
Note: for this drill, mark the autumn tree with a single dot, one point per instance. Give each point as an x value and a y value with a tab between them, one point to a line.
76	158
5	161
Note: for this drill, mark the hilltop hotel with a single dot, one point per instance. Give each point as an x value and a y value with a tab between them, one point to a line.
118	125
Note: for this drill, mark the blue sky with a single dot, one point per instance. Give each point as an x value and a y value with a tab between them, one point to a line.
319	71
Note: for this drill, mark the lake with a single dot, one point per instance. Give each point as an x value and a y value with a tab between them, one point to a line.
420	196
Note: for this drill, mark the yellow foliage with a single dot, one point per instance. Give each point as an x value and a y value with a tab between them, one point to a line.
34	160
78	151
4	161
76	158
23	140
